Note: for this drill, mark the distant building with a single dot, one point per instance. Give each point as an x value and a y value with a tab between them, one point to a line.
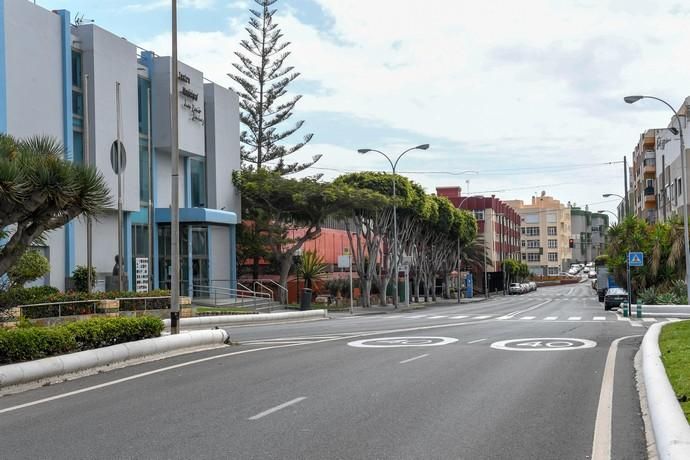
42	92
643	177
588	232
499	225
545	234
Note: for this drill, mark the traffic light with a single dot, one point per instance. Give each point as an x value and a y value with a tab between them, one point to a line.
571	243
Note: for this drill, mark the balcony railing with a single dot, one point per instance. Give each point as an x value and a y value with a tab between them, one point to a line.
648	191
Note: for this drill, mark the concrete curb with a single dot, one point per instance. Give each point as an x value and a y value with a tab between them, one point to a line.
14	374
211	320
670	428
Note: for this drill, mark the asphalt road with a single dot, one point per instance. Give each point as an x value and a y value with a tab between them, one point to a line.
437	384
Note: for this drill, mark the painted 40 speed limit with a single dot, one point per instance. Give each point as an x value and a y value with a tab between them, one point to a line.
544	344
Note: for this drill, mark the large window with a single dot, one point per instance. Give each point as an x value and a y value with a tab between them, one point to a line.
197	176
533	257
553	271
551	231
553	244
142	91
553	257
479	214
532	244
77	108
531	231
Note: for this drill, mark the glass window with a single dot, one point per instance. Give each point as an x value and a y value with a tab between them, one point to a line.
553	257
553	244
142	89
76	68
143	170
551	231
553	271
197	176
78	147
77	103
532	231
532	244
479	214
533	257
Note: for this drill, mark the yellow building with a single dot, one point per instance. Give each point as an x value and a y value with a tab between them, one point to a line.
545	234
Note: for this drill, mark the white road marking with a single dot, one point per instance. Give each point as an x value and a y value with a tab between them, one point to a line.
458	317
575	318
515	313
649	320
621	318
673	320
437	317
599	318
277	408
483	317
476	341
413	359
570	291
505	317
528	317
551	318
414	317
636	323
601	447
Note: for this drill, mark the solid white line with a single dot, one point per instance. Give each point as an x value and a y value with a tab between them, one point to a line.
475	341
483	317
414	317
413	359
437	317
528	309
528	317
601	447
277	408
599	318
575	318
551	318
458	317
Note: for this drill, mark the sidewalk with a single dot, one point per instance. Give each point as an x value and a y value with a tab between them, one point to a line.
379	310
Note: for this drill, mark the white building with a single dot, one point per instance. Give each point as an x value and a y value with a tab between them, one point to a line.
43	58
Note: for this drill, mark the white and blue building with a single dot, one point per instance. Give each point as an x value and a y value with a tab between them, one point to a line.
43	57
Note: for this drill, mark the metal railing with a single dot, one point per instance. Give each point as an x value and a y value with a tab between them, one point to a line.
60	309
283	290
144	303
245	298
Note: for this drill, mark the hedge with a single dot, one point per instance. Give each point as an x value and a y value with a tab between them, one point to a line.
29	343
44	294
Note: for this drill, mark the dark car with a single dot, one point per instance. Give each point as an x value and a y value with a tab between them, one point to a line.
614	297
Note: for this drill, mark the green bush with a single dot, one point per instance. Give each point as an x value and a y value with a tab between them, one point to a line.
30	266
23	296
28	343
80	276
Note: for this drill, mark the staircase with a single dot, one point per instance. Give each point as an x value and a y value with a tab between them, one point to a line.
214	296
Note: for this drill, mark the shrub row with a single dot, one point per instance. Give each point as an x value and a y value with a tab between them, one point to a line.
28	343
44	294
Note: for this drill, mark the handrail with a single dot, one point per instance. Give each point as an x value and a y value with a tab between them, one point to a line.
264	287
284	290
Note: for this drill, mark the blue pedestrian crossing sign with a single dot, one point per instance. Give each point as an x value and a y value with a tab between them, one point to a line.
635	259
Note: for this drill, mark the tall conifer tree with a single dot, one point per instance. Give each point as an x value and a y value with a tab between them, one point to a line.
263	82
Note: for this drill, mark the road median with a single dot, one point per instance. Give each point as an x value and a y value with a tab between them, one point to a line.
18	373
260	317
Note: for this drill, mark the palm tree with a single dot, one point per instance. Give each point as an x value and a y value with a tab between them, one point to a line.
40	191
312	269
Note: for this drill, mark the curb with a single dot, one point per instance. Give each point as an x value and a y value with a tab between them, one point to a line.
13	374
211	320
669	425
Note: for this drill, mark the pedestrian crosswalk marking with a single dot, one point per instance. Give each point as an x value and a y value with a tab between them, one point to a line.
528	317
575	318
649	320
483	317
599	318
551	318
437	317
458	317
512	316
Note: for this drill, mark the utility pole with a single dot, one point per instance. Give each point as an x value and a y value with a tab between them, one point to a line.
626	206
174	176
87	163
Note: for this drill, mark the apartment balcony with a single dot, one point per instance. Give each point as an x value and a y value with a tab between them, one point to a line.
649	196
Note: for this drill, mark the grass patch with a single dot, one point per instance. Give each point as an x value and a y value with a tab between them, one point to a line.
223	310
674	344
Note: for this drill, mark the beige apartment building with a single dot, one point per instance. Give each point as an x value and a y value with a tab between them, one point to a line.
545	234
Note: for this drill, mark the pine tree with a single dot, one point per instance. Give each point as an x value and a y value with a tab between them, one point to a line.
263	82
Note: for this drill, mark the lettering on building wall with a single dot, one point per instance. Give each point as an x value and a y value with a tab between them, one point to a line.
189	99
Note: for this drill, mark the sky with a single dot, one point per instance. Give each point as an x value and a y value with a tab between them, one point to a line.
514	97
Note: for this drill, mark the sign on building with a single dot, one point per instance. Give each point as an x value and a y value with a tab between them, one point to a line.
142	274
344	261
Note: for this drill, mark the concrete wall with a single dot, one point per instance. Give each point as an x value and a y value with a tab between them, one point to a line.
108	59
220	251
222	147
191	130
34	71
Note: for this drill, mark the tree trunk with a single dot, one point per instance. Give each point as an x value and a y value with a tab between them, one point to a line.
285	264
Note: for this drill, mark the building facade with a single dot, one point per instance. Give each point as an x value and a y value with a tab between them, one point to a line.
98	93
498	224
545	234
588	232
643	177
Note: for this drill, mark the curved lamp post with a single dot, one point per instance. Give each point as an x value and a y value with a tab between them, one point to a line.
632	100
394	165
625	204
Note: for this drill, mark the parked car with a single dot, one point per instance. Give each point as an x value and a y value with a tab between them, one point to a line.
515	288
533	285
585	270
592	274
614	298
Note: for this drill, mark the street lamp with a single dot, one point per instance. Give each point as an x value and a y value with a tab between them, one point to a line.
625	203
395	216
610	212
174	181
632	100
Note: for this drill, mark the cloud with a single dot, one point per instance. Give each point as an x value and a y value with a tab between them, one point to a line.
165	4
482	86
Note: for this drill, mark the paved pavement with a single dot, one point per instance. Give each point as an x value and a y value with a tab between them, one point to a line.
517	377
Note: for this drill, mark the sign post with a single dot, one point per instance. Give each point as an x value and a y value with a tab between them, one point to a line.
345	261
635	259
142	274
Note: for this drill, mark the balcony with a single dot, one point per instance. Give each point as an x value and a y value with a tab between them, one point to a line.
648	191
649	166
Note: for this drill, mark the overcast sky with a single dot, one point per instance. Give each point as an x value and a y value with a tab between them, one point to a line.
525	95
